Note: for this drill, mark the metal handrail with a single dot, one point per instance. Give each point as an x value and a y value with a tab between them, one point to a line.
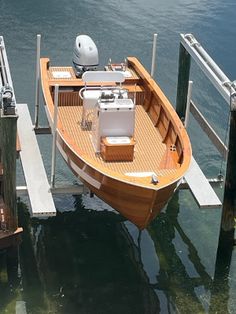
221	82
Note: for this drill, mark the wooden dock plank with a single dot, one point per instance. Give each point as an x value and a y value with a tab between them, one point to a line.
201	189
36	179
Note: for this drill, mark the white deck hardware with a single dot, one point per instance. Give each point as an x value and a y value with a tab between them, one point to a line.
36	179
201	189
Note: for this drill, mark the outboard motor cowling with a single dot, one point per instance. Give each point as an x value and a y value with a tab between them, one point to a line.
85	55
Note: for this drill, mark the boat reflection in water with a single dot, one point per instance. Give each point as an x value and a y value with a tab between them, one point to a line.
91	261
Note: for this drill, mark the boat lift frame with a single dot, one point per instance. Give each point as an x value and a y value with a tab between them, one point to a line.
190	47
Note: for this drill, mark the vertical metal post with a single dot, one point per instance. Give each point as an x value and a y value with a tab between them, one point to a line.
154	48
183	79
229	201
37	77
8	127
54	134
186	121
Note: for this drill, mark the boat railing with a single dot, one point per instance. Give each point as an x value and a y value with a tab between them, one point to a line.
114	89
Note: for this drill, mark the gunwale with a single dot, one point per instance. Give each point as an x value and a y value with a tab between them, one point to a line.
143	80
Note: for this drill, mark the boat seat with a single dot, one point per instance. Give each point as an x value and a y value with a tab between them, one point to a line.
103	76
90	99
90	95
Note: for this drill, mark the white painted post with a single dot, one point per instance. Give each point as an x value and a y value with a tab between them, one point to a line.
154	47
186	121
37	77
54	134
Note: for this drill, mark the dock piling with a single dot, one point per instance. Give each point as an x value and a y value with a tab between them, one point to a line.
226	241
229	202
9	231
183	81
8	127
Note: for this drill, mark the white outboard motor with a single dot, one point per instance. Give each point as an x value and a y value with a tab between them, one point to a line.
85	56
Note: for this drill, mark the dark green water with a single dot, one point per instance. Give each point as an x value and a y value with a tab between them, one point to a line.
89	260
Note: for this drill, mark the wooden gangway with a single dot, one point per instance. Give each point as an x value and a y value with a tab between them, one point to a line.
35	175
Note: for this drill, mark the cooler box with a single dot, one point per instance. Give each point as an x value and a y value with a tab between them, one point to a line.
113	119
117	148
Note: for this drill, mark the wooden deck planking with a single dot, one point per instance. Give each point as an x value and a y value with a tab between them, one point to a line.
149	151
36	179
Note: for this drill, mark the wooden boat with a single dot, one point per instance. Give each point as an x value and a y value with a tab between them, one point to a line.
132	150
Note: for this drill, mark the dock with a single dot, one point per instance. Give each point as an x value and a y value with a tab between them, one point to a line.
17	138
41	200
10	233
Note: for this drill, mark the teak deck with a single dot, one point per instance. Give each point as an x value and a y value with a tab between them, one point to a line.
161	144
149	150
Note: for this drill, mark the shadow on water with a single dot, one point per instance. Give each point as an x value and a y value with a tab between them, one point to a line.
78	262
87	261
9	281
